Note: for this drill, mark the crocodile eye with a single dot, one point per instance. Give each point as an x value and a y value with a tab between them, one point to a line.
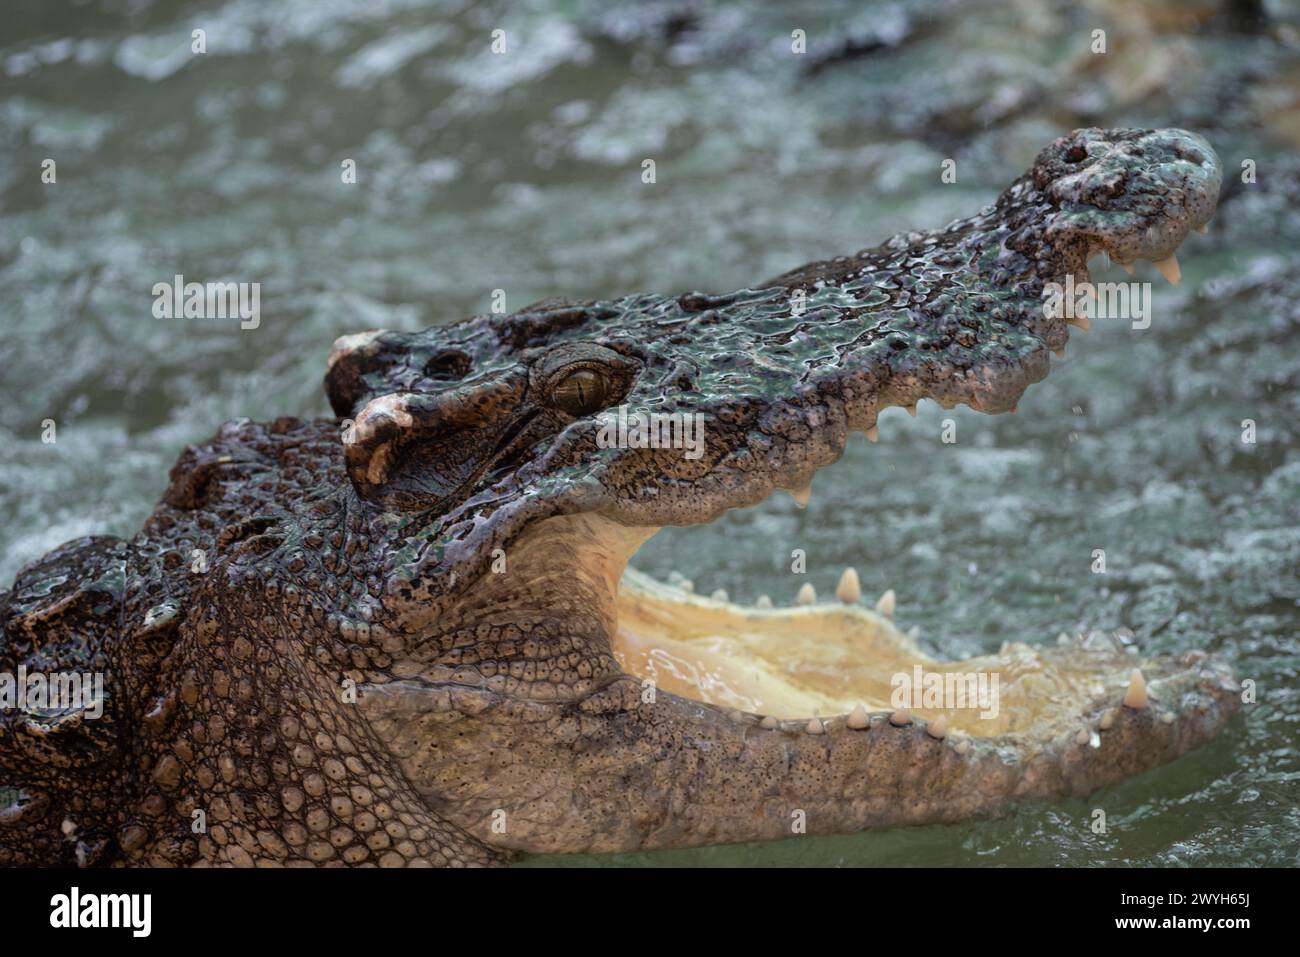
1076	154
450	364
581	392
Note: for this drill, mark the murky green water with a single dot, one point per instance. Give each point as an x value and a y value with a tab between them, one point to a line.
522	172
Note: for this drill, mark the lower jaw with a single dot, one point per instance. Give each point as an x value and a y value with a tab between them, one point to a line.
820	660
821	666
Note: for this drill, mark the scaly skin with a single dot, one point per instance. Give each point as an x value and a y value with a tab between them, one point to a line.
347	680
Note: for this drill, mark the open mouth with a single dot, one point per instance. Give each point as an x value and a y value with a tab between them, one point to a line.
843	657
828	658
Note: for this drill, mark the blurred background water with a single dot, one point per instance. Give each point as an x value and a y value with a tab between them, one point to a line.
522	172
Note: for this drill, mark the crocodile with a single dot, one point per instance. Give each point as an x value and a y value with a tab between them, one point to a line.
407	635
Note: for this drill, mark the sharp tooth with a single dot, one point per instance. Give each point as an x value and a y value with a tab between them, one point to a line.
962	746
858	718
873	434
1136	696
807	594
911	410
719	594
938	727
1203	229
849	590
1060	353
900	718
886	604
802	495
1107	720
763	602
769	722
1128	268
1167	718
1169	269
814	726
1081	322
686	585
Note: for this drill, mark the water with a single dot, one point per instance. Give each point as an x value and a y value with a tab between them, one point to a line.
522	172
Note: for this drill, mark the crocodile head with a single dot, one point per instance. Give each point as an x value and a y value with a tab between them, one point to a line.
546	698
422	643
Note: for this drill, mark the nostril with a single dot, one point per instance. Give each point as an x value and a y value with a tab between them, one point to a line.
1186	151
1076	154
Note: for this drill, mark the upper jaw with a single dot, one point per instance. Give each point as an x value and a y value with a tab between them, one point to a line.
1137	196
775	412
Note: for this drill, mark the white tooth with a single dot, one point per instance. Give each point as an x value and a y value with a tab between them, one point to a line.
938	727
1136	696
1060	353
911	410
675	577
873	434
686	585
858	718
1203	229
802	495
763	602
769	722
962	746
719	594
849	590
1107	720
1081	322
1167	718
1169	269
807	594
886	604
814	726
900	718
1128	268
